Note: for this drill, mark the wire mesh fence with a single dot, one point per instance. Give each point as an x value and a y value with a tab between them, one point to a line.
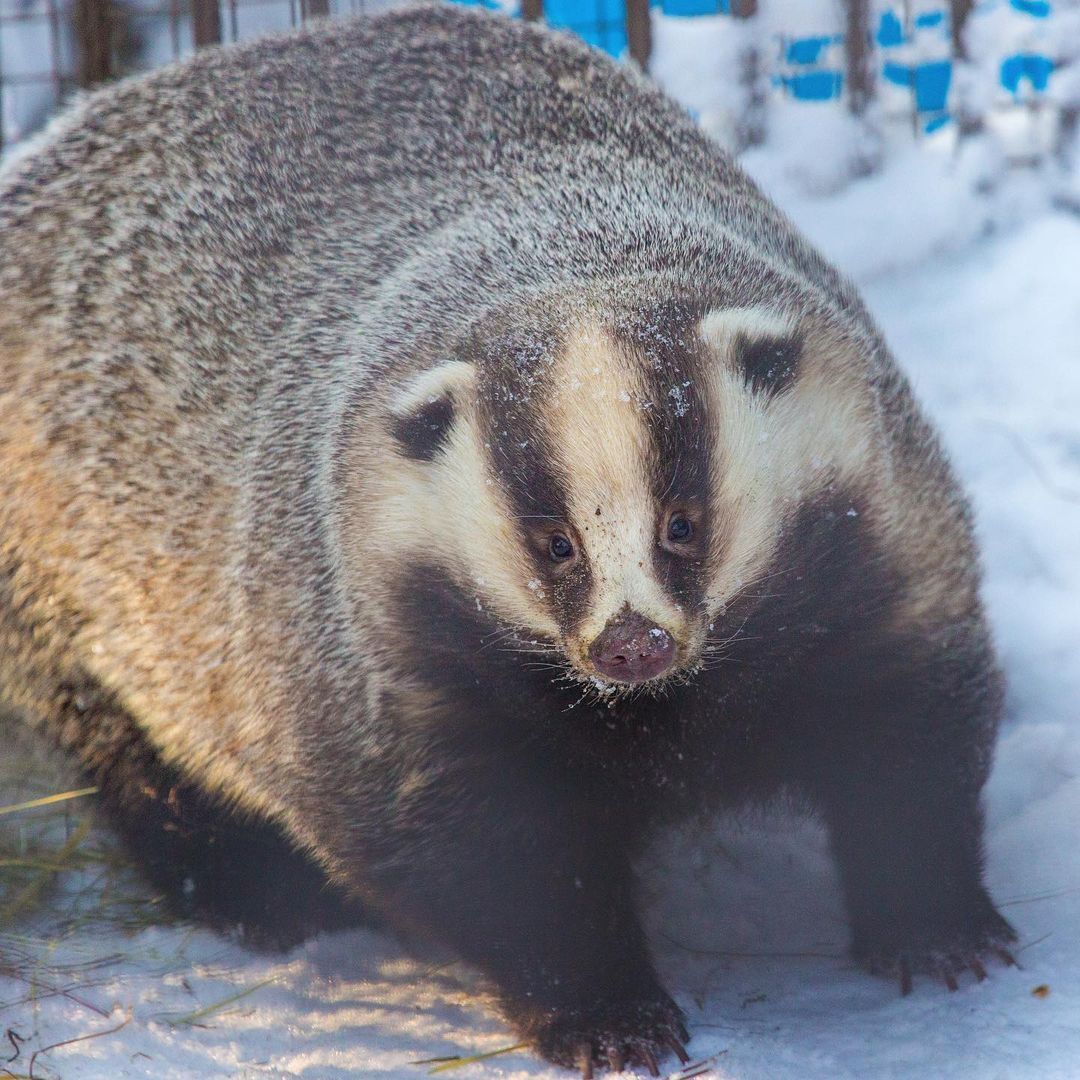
50	48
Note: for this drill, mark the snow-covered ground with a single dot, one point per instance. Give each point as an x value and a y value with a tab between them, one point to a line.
980	298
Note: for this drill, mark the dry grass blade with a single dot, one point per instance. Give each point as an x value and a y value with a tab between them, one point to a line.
30	894
68	1042
202	1014
697	1068
460	1062
48	800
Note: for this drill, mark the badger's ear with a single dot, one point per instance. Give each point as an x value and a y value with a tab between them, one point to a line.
762	345
423	413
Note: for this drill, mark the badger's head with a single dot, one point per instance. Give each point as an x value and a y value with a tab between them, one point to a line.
604	486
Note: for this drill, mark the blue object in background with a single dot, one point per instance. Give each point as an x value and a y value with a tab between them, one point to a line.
897	74
695	7
890	30
930	18
929	81
814	85
599	22
932	85
1034	68
1037	8
808	50
603	23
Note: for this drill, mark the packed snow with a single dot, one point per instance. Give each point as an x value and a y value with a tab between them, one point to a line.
975	279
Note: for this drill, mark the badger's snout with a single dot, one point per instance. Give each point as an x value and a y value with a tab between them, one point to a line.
632	649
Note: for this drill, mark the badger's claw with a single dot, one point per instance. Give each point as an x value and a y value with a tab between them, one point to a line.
584	1057
1005	956
905	976
944	954
610	1036
678	1050
947	968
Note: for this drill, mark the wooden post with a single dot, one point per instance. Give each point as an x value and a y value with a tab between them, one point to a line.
55	59
206	22
1066	139
92	22
532	10
959	10
750	128
639	31
860	79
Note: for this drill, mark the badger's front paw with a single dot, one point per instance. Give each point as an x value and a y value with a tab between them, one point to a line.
610	1034
944	953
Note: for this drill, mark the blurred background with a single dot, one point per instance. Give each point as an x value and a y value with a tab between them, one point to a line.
865	77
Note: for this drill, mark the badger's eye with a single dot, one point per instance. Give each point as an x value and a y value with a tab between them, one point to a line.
560	548
679	529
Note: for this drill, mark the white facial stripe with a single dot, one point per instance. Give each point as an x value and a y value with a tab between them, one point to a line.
599	432
481	524
774	453
451	510
746	505
720	329
430	385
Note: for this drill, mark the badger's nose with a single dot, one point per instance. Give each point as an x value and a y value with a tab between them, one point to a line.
632	649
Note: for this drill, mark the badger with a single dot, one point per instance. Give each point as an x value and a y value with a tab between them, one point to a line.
428	467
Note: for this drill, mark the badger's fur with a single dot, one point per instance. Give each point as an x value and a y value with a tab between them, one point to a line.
425	456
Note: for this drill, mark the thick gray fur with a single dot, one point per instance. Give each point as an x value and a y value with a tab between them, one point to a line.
214	277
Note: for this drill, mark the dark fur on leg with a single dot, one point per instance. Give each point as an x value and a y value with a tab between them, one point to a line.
907	754
531	882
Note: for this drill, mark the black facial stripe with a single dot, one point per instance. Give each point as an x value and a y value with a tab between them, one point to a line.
423	432
678	417
770	364
573	594
828	576
680	425
448	643
521	459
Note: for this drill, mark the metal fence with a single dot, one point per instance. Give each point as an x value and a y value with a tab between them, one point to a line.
50	48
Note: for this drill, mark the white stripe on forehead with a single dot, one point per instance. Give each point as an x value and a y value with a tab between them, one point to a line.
720	328
599	433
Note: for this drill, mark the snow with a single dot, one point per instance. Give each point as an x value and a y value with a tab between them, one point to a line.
976	281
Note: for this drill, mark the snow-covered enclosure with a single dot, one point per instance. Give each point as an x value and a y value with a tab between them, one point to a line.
972	267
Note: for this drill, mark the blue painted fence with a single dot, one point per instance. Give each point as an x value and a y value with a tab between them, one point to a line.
913	54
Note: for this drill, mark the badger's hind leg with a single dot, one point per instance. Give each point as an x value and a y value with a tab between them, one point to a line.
212	863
